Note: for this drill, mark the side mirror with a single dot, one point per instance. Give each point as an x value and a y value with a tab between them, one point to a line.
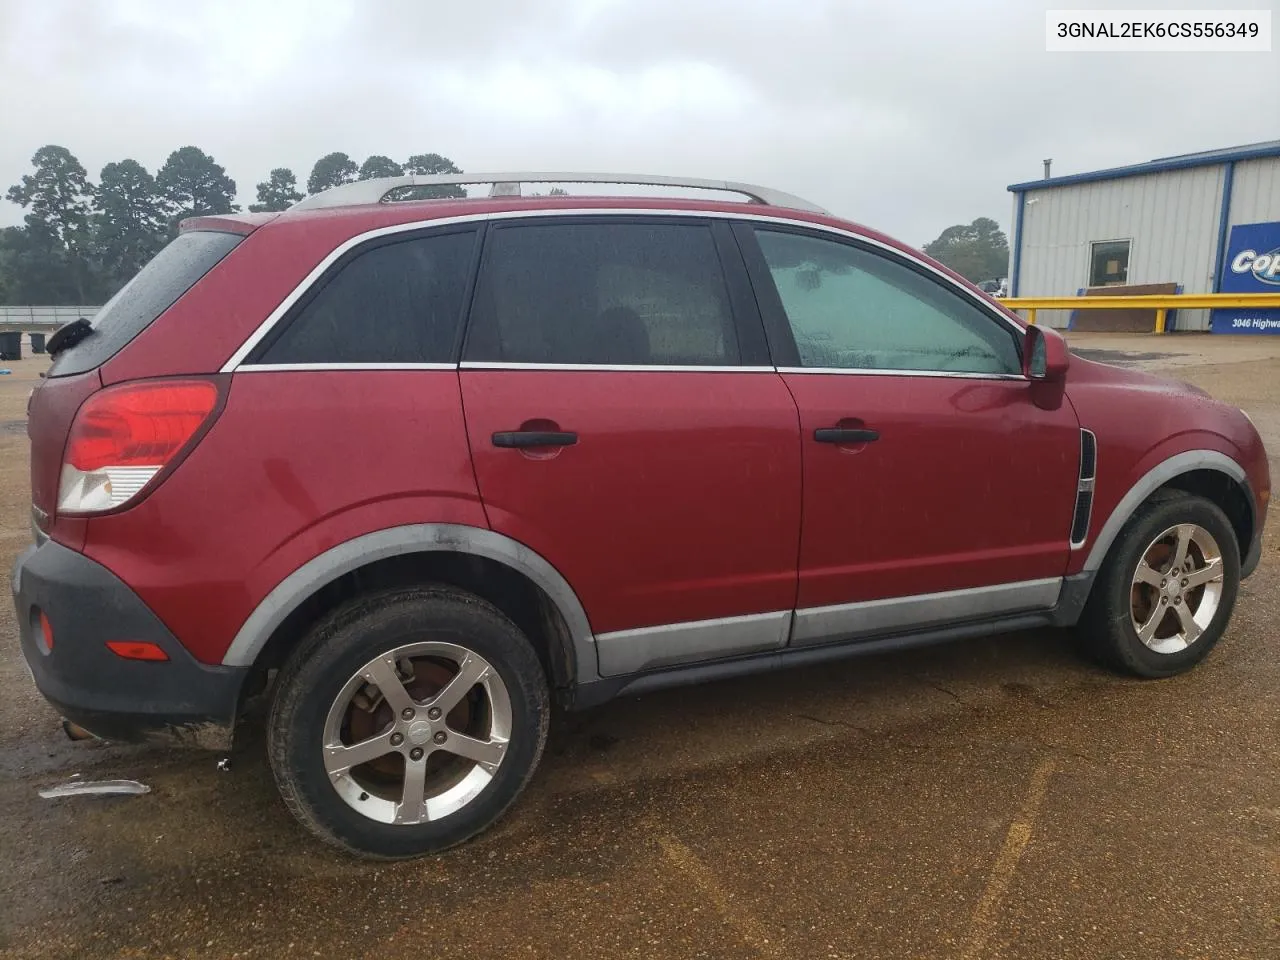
1045	357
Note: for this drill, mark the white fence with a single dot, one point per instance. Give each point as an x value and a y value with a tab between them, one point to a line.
43	318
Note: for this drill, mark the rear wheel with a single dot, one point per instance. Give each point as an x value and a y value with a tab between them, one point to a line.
1166	590
407	722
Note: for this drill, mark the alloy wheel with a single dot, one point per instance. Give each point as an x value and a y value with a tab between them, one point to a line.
1177	588
417	733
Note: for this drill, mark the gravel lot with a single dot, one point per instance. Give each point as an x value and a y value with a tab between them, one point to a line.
992	798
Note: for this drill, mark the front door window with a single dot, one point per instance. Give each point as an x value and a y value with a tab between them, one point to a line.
850	308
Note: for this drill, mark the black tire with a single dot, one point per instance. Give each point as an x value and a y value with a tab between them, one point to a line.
1106	628
335	649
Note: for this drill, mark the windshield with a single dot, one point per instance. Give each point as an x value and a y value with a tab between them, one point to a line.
156	287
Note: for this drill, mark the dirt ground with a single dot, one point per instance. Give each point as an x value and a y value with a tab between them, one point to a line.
995	798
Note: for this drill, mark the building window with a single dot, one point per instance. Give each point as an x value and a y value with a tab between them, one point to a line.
1109	263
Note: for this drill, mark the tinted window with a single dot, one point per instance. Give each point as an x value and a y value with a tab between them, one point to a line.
395	303
169	274
619	293
851	308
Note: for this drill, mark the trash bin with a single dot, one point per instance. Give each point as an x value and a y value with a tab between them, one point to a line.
37	343
10	346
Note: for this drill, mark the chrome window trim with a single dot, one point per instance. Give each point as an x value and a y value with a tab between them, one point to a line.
881	372
276	367
619	367
237	358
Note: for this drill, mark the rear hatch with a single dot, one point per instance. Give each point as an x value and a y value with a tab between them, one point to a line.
74	375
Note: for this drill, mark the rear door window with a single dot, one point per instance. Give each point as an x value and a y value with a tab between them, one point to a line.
622	293
395	303
170	273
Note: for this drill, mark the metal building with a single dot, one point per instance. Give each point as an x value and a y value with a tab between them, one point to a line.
1164	222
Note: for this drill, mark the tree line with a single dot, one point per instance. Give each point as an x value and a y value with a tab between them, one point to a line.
977	251
81	241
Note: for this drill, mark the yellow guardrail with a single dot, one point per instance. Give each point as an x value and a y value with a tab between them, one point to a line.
1161	303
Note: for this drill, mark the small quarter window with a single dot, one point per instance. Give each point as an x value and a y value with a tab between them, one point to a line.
1109	263
393	303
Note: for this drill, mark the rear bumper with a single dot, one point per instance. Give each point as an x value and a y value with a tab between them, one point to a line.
178	700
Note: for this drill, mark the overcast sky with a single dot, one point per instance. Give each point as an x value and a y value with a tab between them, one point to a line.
908	115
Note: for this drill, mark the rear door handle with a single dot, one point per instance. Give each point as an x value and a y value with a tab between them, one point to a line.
845	435
521	439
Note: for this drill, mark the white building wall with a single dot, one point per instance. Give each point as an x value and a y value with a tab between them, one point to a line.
1255	191
1171	219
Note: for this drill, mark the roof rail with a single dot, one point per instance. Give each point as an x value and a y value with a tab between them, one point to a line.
508	184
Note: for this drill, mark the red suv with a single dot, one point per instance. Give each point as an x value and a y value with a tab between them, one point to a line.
421	467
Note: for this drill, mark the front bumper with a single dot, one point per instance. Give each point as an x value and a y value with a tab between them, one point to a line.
179	699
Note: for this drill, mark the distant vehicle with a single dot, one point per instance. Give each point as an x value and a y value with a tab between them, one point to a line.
431	464
997	288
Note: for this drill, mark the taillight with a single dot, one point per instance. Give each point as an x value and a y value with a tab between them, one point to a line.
123	436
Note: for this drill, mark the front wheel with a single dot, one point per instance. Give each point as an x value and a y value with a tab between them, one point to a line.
1166	590
407	721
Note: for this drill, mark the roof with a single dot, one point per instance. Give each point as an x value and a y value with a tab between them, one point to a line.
1207	158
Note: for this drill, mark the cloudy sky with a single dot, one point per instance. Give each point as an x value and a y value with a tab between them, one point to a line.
908	115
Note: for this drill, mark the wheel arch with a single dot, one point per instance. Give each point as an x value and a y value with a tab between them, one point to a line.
1207	473
470	557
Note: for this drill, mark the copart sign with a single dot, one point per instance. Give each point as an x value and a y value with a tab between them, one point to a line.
1252	265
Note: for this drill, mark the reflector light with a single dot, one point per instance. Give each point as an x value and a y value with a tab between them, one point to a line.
136	650
124	435
46	629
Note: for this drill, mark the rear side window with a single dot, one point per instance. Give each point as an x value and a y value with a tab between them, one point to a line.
603	293
170	273
396	303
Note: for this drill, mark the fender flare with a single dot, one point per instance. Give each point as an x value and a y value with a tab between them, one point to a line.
360	551
1151	481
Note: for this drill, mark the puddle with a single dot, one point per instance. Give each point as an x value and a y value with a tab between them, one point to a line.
1123	358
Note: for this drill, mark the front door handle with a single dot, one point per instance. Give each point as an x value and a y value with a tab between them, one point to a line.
847	435
522	439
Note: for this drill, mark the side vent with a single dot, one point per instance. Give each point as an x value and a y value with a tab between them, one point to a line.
1084	489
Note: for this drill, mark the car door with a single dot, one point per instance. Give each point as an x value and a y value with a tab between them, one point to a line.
626	424
936	490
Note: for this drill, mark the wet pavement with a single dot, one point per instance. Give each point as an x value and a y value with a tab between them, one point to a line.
996	798
1121	358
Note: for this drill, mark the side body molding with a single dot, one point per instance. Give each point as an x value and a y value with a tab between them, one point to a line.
415	538
1150	481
